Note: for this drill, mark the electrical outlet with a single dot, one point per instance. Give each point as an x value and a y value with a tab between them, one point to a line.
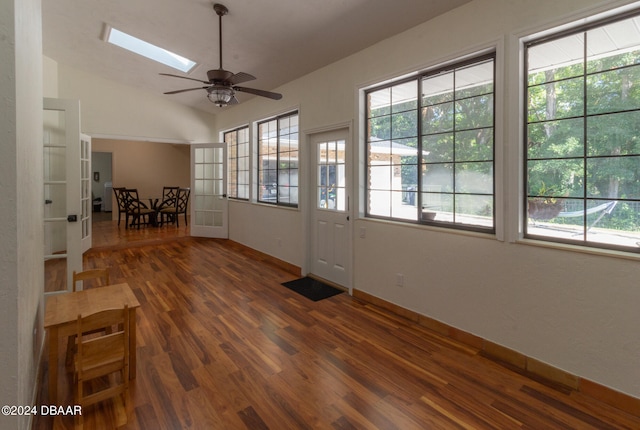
363	232
399	279
279	241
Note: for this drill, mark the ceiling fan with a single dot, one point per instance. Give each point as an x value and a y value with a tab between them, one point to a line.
221	85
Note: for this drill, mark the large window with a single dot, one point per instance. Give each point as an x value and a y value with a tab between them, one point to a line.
278	160
238	146
582	136
430	147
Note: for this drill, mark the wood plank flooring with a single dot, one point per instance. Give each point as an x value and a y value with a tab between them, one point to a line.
222	345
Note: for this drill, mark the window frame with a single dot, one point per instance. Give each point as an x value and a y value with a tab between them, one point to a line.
279	199
450	67
234	161
525	194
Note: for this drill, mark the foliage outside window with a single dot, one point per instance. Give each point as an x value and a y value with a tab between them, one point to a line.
238	146
582	136
278	160
430	147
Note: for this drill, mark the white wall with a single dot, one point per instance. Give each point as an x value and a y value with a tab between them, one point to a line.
576	311
50	77
21	232
111	110
274	231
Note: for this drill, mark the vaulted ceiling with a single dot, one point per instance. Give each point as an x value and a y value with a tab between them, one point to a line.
276	40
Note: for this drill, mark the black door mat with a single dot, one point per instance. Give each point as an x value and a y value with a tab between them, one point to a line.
312	288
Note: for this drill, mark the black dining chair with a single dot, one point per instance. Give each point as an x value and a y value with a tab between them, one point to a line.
122	204
169	196
179	206
137	210
169	193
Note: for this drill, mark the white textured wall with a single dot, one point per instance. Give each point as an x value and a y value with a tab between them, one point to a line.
50	77
573	310
274	231
8	228
21	236
109	109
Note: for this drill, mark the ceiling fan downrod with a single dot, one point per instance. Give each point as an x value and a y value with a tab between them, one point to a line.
221	10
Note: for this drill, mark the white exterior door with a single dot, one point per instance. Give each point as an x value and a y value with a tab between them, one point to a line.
330	216
209	190
64	215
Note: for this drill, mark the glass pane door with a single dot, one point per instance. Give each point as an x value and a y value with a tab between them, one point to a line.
63	213
55	206
209	203
86	200
331	175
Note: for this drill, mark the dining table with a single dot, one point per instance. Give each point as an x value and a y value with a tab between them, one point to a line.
61	316
154	203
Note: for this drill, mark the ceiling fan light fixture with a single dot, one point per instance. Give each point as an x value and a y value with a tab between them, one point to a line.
220	96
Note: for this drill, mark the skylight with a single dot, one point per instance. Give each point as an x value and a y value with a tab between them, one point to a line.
146	49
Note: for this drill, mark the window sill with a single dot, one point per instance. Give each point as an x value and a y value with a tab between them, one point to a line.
432	228
269	205
580	249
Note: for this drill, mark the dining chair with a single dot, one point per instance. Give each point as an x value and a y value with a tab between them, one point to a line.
122	203
101	356
169	193
97	277
180	207
100	276
136	209
169	196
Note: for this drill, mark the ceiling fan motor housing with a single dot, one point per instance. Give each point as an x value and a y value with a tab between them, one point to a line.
219	75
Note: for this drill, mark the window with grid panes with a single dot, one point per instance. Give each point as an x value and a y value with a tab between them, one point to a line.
277	165
582	135
238	147
430	147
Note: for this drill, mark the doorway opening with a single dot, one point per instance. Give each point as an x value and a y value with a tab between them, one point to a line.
102	186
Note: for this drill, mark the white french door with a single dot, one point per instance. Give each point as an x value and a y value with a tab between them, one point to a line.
209	190
67	222
330	215
86	197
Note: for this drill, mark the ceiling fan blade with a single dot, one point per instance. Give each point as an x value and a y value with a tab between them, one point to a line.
263	93
188	89
239	78
183	77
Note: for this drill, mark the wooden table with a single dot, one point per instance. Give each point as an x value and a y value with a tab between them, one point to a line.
61	316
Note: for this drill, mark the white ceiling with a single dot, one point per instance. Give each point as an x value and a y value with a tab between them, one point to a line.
275	40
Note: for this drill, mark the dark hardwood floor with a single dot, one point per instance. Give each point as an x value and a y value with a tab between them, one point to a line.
222	345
